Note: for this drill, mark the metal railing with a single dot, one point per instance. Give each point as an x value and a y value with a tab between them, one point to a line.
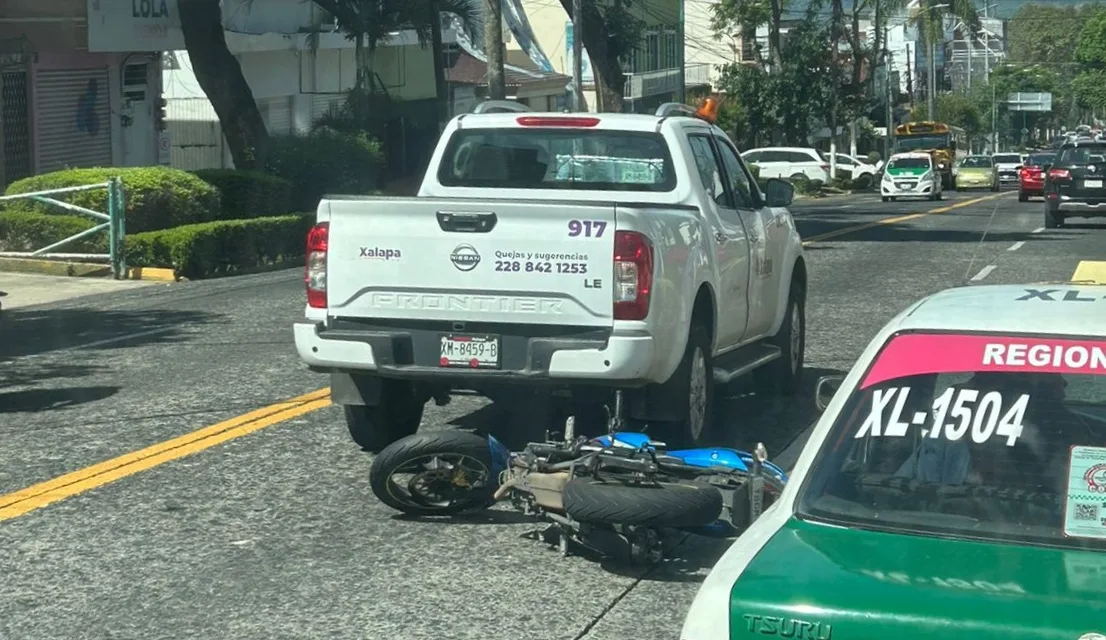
112	222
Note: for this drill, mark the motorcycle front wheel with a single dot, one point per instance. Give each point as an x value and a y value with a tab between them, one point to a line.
435	473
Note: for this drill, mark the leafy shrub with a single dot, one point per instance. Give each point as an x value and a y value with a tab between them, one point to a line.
28	231
223	247
325	162
806	186
156	197
248	194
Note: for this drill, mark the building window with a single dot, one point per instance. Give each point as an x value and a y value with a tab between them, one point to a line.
671	49
748	43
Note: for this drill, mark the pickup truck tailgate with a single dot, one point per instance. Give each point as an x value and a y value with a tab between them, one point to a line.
508	261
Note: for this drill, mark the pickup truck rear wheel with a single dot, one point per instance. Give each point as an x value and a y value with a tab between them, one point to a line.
398	415
692	385
782	376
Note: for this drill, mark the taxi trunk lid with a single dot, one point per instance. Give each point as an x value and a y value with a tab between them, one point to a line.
816	582
467	260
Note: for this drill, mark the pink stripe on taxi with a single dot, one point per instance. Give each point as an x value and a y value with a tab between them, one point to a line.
917	354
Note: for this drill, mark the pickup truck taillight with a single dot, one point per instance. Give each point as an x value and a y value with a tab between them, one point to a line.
315	270
633	275
1059	174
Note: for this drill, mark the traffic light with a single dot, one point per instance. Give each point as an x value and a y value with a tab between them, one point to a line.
159	115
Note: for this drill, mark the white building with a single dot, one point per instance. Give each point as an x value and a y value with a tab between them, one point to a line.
297	66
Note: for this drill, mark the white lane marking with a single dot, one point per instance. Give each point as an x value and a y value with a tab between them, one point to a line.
1037	230
95	343
1017	245
983	273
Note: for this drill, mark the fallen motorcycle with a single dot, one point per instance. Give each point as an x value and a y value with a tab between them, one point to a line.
614	494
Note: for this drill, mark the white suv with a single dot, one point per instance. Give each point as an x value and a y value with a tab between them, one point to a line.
790	163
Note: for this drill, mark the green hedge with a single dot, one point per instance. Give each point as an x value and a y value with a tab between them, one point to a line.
222	248
195	251
156	197
28	231
325	162
248	194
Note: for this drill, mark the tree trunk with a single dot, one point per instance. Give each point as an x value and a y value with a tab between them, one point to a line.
441	87
610	82
775	47
220	76
493	49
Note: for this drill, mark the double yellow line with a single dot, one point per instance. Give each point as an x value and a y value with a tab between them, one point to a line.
897	219
37	496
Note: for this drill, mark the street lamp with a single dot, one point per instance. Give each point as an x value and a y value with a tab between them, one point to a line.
931	90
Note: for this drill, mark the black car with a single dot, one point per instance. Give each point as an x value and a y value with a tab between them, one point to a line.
1075	185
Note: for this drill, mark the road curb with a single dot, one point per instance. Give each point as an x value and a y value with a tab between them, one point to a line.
69	268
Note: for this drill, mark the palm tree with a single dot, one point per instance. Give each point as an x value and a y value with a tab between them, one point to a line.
929	19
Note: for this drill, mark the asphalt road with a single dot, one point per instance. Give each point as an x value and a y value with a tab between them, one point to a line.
276	534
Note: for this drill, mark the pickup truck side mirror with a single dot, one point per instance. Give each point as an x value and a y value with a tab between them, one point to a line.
778	193
825	389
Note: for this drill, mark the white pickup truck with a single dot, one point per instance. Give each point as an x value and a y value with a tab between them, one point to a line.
626	260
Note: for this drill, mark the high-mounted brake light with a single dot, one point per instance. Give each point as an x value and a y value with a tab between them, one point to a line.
633	275
1059	174
314	277
545	121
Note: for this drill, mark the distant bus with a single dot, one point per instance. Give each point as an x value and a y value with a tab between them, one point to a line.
944	142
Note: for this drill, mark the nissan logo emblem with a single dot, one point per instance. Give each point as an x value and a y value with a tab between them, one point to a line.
465	257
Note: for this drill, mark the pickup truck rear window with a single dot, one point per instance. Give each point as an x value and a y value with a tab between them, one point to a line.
557	159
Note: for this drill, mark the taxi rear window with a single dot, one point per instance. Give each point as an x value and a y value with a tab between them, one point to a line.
552	158
978	436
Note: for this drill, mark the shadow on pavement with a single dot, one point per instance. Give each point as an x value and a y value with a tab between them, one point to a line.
31	373
28	331
34	400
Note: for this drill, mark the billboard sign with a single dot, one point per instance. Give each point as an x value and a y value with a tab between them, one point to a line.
1029	102
585	65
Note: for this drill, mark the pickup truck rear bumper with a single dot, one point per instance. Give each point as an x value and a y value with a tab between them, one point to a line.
413	354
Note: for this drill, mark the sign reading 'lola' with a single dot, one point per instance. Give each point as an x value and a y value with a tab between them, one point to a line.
149	8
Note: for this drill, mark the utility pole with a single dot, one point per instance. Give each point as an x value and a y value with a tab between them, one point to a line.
971	51
931	90
578	56
493	49
887	59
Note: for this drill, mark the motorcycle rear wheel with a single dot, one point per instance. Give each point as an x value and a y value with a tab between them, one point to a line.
661	505
451	473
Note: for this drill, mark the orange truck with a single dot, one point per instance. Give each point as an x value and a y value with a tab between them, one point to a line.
944	142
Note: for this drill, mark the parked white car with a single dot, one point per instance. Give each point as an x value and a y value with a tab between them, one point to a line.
790	163
622	259
854	167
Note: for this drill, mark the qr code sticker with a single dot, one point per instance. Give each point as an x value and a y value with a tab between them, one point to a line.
1086	512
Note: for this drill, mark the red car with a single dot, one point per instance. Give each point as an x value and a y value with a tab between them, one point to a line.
1031	178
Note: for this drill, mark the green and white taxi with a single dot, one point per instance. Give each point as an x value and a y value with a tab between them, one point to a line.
954	486
910	175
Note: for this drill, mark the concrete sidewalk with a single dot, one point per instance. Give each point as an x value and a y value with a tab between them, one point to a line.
23	289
